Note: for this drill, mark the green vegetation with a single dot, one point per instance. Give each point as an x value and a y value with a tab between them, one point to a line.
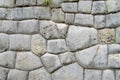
46	2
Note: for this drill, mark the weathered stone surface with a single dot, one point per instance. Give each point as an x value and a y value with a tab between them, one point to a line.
94	57
28	26
100	21
85	6
108	75
55	3
118	35
40	2
51	30
7	3
62	30
38	45
69	18
42	12
21	13
67	58
2	13
20	42
93	74
113	5
117	74
27	61
7	59
114	61
70	72
69	7
39	74
51	62
3	73
8	26
113	20
84	19
4	39
25	2
56	46
113	48
77	41
58	15
98	7
17	75
106	36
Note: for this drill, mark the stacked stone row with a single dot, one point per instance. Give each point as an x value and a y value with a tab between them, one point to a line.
66	40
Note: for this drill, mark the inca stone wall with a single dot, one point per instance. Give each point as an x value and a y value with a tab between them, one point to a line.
65	40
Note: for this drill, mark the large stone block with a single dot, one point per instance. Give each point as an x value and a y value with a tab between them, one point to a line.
69	7
99	7
27	61
113	20
113	5
69	18
67	58
38	45
42	12
8	26
106	36
56	46
51	62
25	2
92	74
100	21
85	6
28	26
114	61
55	3
94	57
7	3
51	30
58	15
84	19
77	40
70	72
4	42
20	42
7	59
108	75
113	48
3	13
117	72
39	74
21	13
17	75
3	73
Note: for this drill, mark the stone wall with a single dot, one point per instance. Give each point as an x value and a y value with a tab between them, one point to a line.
65	40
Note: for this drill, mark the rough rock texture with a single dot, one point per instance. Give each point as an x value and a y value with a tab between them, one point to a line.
56	46
27	61
39	74
94	57
3	73
4	38
17	75
59	39
51	62
19	42
7	59
38	44
71	72
77	41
